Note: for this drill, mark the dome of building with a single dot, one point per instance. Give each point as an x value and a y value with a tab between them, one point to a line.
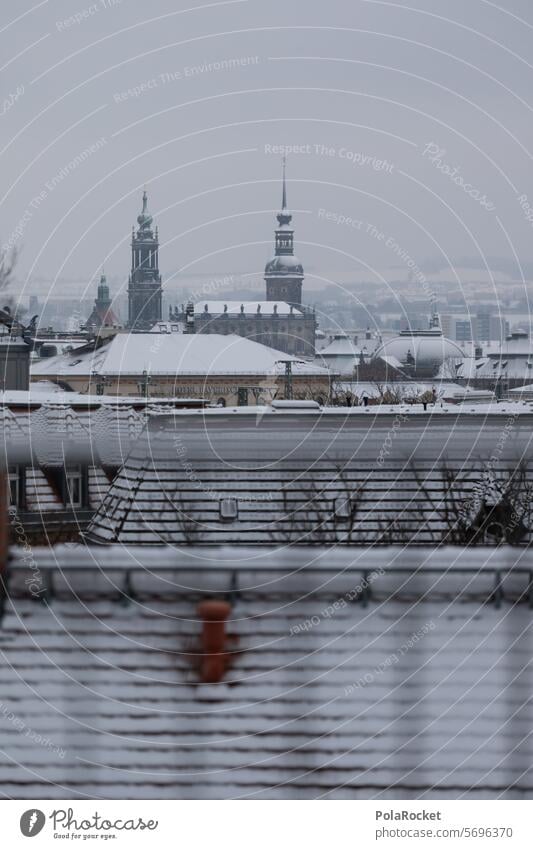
284	264
421	350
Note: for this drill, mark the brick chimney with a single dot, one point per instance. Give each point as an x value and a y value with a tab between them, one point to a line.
214	658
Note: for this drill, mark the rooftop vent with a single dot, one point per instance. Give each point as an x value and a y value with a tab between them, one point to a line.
228	509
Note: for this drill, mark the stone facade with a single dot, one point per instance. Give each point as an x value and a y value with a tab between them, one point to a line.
277	325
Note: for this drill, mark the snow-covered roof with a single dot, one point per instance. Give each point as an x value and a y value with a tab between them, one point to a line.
340	346
285	470
517	344
71	363
284	264
423	692
175	354
504	367
426	348
47	392
522	391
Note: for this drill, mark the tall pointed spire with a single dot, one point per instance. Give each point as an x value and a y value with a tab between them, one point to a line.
284	217
284	272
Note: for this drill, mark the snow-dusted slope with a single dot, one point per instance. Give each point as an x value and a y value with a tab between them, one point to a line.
423	693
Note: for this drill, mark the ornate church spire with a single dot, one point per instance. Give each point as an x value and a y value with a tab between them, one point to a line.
284	273
284	217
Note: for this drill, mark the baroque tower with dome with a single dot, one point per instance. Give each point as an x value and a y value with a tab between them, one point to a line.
144	287
280	321
284	273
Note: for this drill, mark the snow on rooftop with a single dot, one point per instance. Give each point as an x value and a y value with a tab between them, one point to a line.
175	354
302	712
341	346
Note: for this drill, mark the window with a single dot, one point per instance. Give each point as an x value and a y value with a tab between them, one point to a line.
228	509
242	396
221	402
16	486
74	486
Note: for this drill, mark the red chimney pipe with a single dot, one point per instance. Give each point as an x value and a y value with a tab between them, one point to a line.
214	661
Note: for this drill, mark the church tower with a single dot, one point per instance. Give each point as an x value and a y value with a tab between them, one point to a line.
284	273
144	288
102	314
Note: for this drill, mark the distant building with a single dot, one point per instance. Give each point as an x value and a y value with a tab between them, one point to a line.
341	355
505	367
144	288
102	315
463	331
419	353
278	325
488	326
482	327
223	369
280	321
34	306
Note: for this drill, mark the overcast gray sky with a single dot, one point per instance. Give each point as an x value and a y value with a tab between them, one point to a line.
190	97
